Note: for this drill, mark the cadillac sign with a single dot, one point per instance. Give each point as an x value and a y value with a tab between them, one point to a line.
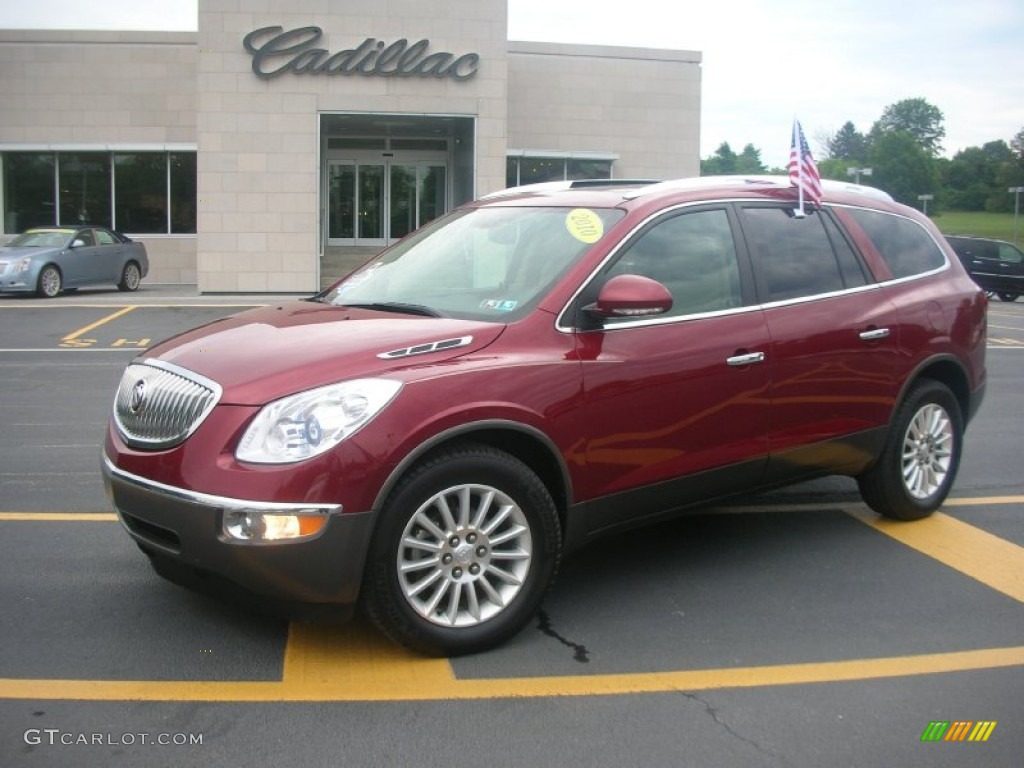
275	52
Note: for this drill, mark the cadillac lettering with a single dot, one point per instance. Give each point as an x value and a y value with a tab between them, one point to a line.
293	51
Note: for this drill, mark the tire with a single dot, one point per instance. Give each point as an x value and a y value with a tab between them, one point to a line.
131	276
1007	295
918	464
50	282
491	544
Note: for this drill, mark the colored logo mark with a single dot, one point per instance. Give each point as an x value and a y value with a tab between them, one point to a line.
958	730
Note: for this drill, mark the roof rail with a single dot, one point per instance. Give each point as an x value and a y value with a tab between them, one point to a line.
776	182
556	186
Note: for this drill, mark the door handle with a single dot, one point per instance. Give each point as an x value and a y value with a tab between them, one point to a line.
745	359
875	334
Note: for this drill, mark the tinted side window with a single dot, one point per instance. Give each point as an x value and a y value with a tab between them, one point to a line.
105	238
692	255
795	255
904	244
850	265
1008	254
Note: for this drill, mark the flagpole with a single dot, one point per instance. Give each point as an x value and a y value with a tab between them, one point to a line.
799	169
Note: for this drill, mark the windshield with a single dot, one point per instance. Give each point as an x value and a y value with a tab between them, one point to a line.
43	238
481	264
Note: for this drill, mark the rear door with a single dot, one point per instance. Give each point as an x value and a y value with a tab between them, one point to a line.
109	256
677	404
834	352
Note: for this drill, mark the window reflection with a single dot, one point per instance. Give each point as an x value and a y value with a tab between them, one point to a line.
127	191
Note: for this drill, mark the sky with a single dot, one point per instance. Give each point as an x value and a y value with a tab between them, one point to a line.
764	62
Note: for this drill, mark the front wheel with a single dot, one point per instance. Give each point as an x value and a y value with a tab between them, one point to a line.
1007	295
50	282
918	464
465	550
130	277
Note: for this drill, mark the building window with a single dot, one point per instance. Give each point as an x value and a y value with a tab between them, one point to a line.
140	197
527	169
135	192
183	193
29	190
84	188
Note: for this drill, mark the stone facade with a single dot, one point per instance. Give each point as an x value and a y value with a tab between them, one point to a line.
260	141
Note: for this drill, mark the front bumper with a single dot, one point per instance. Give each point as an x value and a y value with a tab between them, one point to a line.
182	531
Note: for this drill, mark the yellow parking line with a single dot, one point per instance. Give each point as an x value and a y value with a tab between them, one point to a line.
113	316
981	501
60	517
993	561
370	669
351	663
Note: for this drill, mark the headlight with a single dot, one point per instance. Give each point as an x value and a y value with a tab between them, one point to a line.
307	424
24	264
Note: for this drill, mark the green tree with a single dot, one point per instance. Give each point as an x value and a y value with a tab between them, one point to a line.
976	178
749	161
834	168
903	168
1017	145
848	144
721	163
923	121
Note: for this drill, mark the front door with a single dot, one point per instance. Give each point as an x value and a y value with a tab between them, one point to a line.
378	200
674	398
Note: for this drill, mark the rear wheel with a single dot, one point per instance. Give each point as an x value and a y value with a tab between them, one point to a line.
466	547
916	469
1007	295
50	282
130	277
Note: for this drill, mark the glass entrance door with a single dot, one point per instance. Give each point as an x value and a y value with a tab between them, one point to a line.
355	203
418	193
378	201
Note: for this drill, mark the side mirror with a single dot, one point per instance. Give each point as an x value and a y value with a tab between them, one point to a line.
77	243
631	296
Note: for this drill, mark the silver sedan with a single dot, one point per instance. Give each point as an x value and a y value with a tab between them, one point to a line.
48	260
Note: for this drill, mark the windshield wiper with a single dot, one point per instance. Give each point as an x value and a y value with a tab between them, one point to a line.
397	306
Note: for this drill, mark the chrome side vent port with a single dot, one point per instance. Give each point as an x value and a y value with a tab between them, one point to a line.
427	347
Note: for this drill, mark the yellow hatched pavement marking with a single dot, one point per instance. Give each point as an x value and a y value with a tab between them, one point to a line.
102	321
993	561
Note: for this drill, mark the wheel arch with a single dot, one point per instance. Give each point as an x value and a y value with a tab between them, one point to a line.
948	371
526	443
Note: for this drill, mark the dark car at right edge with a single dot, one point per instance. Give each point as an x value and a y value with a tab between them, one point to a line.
995	265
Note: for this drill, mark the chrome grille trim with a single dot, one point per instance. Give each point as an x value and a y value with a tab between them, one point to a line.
171	405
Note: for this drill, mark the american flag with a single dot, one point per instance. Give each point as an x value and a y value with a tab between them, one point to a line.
803	173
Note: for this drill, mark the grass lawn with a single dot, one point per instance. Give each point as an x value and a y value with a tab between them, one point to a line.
995	225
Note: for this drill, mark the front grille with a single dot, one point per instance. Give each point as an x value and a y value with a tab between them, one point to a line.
158	405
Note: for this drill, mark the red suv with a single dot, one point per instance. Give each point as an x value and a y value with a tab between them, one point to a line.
540	367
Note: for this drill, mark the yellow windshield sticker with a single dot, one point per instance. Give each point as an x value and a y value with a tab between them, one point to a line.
585	225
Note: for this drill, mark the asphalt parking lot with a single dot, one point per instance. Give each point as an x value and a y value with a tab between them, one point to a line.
793	628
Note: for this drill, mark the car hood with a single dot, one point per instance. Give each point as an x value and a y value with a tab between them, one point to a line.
264	354
10	253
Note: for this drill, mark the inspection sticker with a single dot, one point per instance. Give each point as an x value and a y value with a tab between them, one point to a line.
585	225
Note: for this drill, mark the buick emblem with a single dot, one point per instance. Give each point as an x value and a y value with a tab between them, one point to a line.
138	396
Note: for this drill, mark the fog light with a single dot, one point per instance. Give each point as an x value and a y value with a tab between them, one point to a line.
250	525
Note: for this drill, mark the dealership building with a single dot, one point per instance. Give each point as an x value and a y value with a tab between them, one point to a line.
271	150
